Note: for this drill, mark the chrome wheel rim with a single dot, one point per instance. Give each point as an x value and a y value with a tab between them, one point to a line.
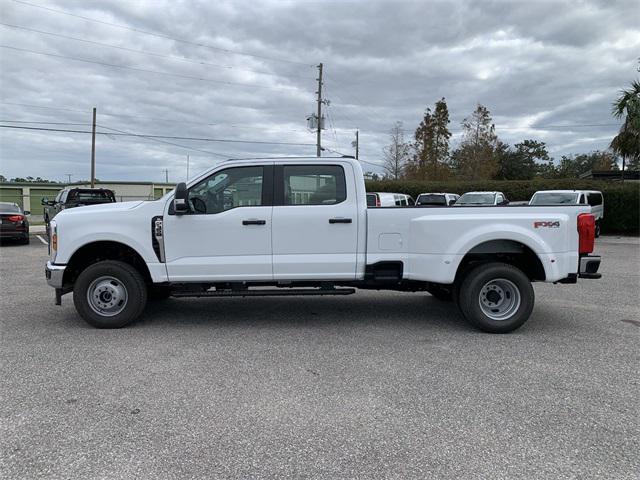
107	296
499	299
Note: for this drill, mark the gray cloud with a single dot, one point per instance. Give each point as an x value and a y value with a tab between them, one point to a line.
534	64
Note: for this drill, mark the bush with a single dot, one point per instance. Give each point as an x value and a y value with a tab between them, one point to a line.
621	201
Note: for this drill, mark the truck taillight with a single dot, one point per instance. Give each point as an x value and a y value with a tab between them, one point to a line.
378	201
586	232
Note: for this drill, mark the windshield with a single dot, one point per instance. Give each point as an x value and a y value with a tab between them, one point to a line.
554	198
431	200
476	199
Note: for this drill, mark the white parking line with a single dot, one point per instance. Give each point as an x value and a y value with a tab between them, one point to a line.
42	240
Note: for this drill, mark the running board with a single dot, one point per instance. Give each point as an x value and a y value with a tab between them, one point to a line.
271	292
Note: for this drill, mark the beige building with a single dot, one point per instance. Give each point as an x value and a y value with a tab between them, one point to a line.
29	195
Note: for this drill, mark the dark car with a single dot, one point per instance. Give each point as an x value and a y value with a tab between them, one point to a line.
72	197
13	222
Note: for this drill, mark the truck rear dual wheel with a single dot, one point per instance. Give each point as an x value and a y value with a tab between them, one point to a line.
110	294
496	297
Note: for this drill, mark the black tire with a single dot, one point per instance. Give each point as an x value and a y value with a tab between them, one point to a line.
475	294
598	228
157	293
25	240
125	276
441	293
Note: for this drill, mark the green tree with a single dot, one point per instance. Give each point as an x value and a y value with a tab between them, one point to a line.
572	166
431	145
529	158
627	142
476	157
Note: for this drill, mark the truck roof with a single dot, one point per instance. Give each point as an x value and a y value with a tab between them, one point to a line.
296	158
568	191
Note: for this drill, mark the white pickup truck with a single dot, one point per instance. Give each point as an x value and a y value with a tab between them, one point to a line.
301	226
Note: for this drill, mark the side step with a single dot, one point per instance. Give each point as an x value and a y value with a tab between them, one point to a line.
267	292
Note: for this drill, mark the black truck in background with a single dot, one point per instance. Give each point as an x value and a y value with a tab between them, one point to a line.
72	197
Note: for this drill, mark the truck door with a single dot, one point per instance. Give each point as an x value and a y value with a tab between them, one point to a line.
227	234
315	222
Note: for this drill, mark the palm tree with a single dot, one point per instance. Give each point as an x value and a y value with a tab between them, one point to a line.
627	142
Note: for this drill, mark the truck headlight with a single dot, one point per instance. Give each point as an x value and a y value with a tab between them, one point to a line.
53	240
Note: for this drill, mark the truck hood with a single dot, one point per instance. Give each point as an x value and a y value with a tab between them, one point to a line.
104	211
103	207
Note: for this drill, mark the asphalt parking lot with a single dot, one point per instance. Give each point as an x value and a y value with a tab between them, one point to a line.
374	385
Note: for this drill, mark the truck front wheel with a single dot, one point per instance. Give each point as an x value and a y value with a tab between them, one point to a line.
496	297
110	294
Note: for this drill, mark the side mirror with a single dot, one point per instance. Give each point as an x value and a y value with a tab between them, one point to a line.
180	203
44	201
27	212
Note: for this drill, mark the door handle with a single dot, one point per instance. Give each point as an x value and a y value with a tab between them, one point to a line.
254	222
339	220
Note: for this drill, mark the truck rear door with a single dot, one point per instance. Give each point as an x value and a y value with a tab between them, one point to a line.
315	222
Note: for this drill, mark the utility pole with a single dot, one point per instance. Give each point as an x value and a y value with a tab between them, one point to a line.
166	175
69	175
357	144
187	167
93	150
319	131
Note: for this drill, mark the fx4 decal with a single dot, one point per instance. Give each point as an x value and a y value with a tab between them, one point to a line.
555	224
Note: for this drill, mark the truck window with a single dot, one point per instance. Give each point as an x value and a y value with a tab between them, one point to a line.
89	195
314	185
554	198
371	199
431	200
594	199
227	189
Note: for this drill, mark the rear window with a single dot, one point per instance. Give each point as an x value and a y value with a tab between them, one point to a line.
431	200
371	199
554	198
314	185
9	207
594	199
87	195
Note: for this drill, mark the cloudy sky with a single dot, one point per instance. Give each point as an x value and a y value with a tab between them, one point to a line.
245	71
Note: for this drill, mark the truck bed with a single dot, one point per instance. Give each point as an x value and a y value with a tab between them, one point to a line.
431	242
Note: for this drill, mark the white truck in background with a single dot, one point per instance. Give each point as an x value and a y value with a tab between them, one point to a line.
301	226
593	198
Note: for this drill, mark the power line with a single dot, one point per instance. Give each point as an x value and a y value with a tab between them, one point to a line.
351	156
161	35
144	70
170	137
155	119
44	123
222	155
153	54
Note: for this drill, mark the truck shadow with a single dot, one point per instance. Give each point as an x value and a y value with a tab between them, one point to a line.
411	310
